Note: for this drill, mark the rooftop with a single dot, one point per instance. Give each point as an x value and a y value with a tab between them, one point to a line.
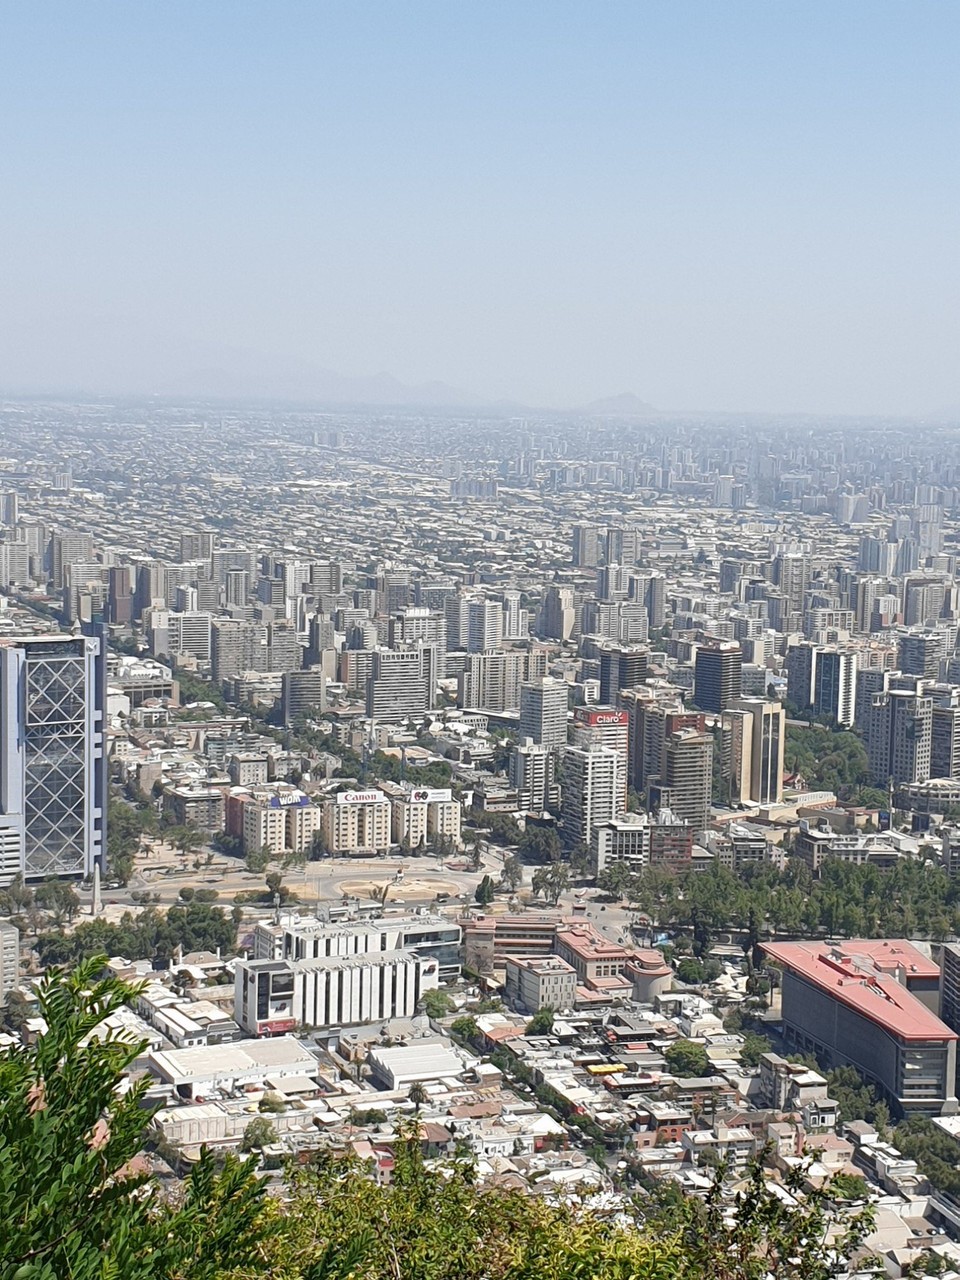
848	974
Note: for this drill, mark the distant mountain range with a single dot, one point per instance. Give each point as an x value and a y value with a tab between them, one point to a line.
625	405
104	356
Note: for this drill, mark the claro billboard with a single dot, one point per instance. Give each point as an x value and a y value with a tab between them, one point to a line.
599	719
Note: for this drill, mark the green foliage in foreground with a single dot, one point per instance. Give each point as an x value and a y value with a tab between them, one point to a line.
73	1208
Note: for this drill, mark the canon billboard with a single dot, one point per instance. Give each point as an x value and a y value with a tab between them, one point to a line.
360	797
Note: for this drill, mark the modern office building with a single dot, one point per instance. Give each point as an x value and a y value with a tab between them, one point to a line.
543	712
899	735
53	781
484	625
306	937
271	997
919	653
754	733
684	784
621	667
717	675
835	685
302	693
801	663
491	681
866	1004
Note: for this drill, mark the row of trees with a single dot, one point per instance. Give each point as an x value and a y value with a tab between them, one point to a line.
913	897
152	935
72	1204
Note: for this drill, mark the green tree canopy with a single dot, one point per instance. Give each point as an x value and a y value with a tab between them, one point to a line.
686	1059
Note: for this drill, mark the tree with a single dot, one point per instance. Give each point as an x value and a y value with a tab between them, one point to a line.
541	1024
259	1133
187	839
484	891
465	1028
512	872
276	888
58	898
70	1204
690	971
552	881
418	1094
849	1186
437	1004
686	1059
754	1047
257	860
16	1011
319	848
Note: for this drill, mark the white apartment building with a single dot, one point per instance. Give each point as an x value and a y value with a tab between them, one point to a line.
423	812
281	821
593	790
355	820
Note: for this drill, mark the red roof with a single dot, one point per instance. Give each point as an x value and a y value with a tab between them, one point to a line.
848	973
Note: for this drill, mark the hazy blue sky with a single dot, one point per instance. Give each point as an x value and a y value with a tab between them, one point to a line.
713	204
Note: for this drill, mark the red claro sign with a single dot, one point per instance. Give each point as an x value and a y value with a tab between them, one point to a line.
602	717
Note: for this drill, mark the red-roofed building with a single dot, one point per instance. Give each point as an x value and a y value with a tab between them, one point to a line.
853	1004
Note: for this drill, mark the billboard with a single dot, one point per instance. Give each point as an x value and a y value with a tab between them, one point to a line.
600	719
360	797
276	1026
431	795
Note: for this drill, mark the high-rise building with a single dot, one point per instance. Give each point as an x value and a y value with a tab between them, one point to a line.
491	681
9	958
198	545
606	727
945	733
237	646
835	685
718	675
53	782
516	621
543	712
753	745
899	737
592	790
919	653
416	623
870	680
586	546
557	614
401	682
119	595
685	780
484	625
532	769
301	693
621	667
65	548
